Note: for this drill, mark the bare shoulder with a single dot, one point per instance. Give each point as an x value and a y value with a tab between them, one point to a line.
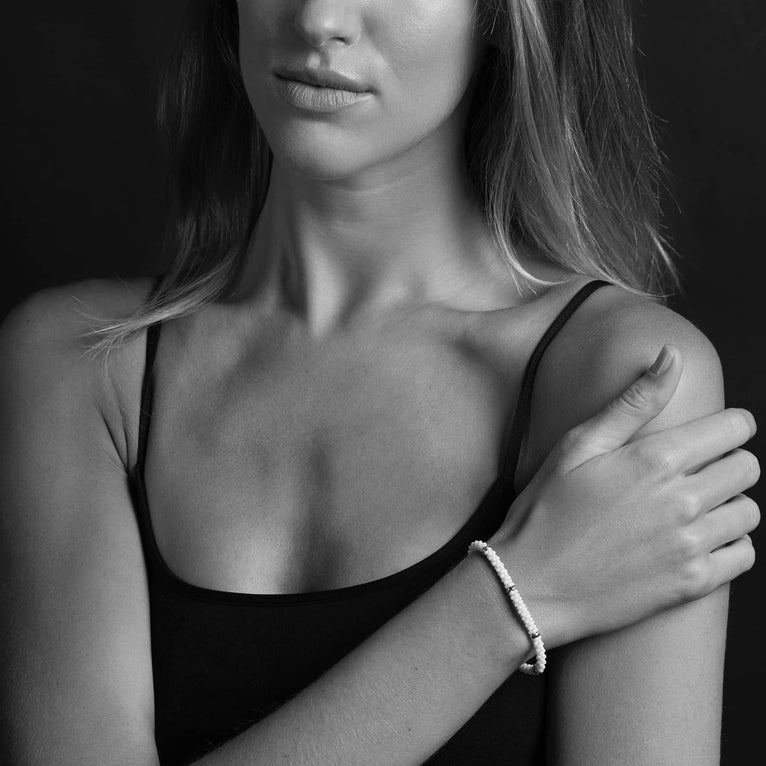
616	335
65	313
44	345
612	338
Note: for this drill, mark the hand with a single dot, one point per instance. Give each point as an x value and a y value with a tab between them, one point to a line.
608	533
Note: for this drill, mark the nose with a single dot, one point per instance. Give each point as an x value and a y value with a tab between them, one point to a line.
321	21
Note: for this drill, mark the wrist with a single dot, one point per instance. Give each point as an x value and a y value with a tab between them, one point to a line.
497	625
529	574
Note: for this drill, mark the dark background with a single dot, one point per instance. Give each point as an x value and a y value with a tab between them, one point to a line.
82	196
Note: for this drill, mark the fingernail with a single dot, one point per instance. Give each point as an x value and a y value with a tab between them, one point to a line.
662	362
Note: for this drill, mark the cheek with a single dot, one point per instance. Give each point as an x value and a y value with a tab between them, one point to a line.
431	54
259	25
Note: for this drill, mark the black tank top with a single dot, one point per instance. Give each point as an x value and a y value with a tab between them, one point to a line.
223	660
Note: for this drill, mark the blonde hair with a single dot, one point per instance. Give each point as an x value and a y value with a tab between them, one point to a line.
560	148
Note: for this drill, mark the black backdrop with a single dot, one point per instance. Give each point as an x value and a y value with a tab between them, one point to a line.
82	195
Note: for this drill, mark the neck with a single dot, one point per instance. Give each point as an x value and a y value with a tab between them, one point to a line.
405	235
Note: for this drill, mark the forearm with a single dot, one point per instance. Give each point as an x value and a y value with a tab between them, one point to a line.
403	692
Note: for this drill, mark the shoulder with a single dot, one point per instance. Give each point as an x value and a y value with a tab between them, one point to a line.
609	341
68	311
44	345
63	315
614	336
619	328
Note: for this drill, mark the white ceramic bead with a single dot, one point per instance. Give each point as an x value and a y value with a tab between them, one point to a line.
518	602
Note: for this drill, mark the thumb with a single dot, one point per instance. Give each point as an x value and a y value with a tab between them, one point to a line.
624	415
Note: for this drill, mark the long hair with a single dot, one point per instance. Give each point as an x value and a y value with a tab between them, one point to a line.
560	150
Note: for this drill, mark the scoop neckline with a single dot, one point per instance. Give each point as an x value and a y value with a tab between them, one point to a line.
501	488
381	584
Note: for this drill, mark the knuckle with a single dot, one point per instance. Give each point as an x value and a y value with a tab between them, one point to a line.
664	462
696	578
571	439
634	399
689	544
657	461
689	506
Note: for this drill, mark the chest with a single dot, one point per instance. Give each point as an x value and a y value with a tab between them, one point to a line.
292	471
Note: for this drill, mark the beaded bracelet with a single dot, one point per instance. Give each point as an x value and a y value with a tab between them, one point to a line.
519	605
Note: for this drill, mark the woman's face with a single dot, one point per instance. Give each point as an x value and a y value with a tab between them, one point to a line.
410	61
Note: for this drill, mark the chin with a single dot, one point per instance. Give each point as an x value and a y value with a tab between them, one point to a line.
320	156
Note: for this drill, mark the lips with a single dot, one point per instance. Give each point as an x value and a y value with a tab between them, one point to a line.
316	98
321	78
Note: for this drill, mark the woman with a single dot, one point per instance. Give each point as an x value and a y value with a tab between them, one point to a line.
240	535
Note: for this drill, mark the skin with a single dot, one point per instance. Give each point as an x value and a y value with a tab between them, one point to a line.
354	194
370	268
650	693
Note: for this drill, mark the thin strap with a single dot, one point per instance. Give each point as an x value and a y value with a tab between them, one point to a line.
147	386
147	392
521	416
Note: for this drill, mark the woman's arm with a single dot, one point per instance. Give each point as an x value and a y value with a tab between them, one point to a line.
75	650
75	657
648	694
76	685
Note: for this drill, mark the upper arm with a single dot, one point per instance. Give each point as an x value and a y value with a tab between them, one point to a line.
75	660
649	693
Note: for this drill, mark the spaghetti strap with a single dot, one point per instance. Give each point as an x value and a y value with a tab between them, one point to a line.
515	431
147	385
206	688
513	442
147	392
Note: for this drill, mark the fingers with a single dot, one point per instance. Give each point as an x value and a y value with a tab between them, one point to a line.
690	446
729	521
729	562
616	423
723	479
725	532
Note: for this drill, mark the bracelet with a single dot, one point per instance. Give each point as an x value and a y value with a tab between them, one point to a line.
519	605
